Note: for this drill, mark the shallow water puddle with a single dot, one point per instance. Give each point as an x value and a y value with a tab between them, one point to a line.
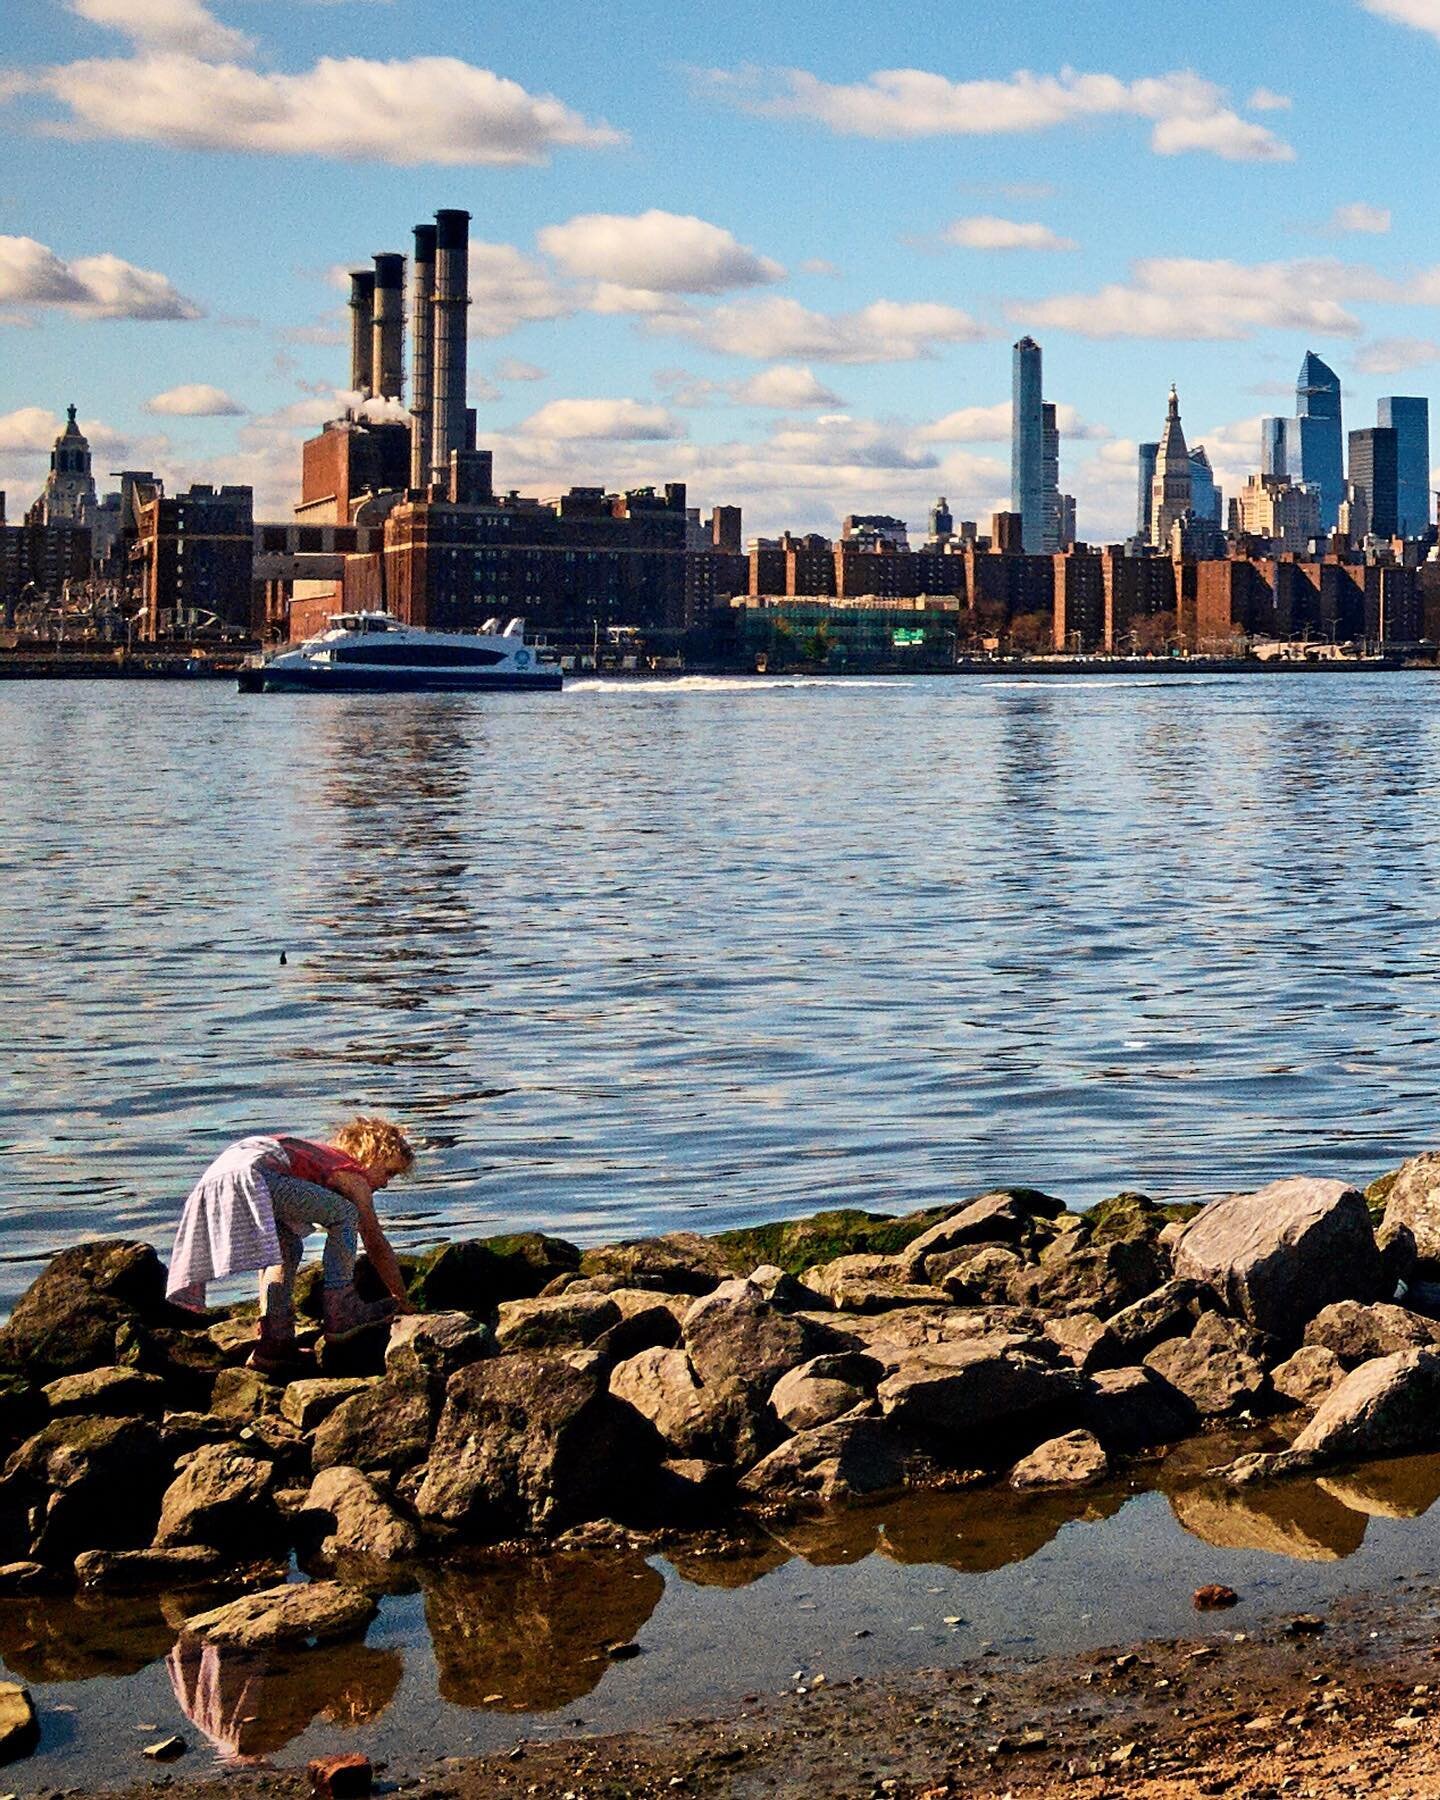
477	1654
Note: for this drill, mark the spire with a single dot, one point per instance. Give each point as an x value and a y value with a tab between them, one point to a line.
70	412
1174	402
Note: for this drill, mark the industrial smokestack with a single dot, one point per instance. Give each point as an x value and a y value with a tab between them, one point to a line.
422	346
387	380
452	299
362	313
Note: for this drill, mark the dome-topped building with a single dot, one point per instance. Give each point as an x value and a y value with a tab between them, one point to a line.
69	497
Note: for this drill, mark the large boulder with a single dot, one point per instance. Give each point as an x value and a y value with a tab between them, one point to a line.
868	1284
114	1393
280	1617
1359	1334
1383	1408
86	1310
307	1404
1133	1409
426	1349
848	1459
1075	1275
1410	1228
1075	1460
385	1426
977	1276
1277	1257
473	1275
566	1321
1173	1310
823	1389
93	1484
1008	1216
1386	1406
679	1262
222	1497
1213	1368
352	1516
526	1443
735	1334
1305	1378
660	1387
972	1397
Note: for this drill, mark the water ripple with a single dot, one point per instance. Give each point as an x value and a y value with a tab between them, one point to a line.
657	954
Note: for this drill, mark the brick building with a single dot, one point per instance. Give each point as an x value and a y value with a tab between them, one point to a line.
197	551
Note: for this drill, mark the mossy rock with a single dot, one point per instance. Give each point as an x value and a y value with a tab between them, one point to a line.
1378	1193
475	1274
798	1244
1128	1217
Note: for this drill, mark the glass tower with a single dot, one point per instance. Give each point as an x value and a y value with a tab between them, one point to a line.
1148	456
1027	446
1409	419
1374	465
1272	447
1315	450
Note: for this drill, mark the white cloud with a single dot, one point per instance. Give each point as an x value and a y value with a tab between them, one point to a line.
95	287
427	109
181	26
511	368
1221	133
1389	356
991	425
194	400
987	233
1187	112
781	329
786	386
1188	298
30	431
1358	216
625	419
1424	15
806	477
508	289
1265	99
818	265
662	252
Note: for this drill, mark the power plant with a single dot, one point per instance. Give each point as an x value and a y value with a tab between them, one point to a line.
434	543
439	305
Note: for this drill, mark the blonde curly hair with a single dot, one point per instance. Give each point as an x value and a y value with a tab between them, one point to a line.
372	1141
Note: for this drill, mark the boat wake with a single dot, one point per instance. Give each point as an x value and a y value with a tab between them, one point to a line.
720	684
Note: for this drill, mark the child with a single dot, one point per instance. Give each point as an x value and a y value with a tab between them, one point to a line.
255	1204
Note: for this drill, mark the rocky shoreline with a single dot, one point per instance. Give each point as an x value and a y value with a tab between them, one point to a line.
681	1384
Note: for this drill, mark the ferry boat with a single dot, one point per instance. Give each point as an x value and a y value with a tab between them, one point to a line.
374	652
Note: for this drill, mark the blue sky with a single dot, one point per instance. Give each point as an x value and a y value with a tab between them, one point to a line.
780	252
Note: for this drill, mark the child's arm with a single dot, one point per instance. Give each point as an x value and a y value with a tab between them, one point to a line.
377	1246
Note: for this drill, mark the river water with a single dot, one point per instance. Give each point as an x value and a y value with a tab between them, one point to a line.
699	953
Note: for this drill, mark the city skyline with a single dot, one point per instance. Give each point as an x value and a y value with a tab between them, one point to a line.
667	298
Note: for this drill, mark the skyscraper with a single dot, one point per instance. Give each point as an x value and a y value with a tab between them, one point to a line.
1410	420
1374	465
1148	454
1027	446
1314	446
1206	500
1054	535
1171	493
1272	446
